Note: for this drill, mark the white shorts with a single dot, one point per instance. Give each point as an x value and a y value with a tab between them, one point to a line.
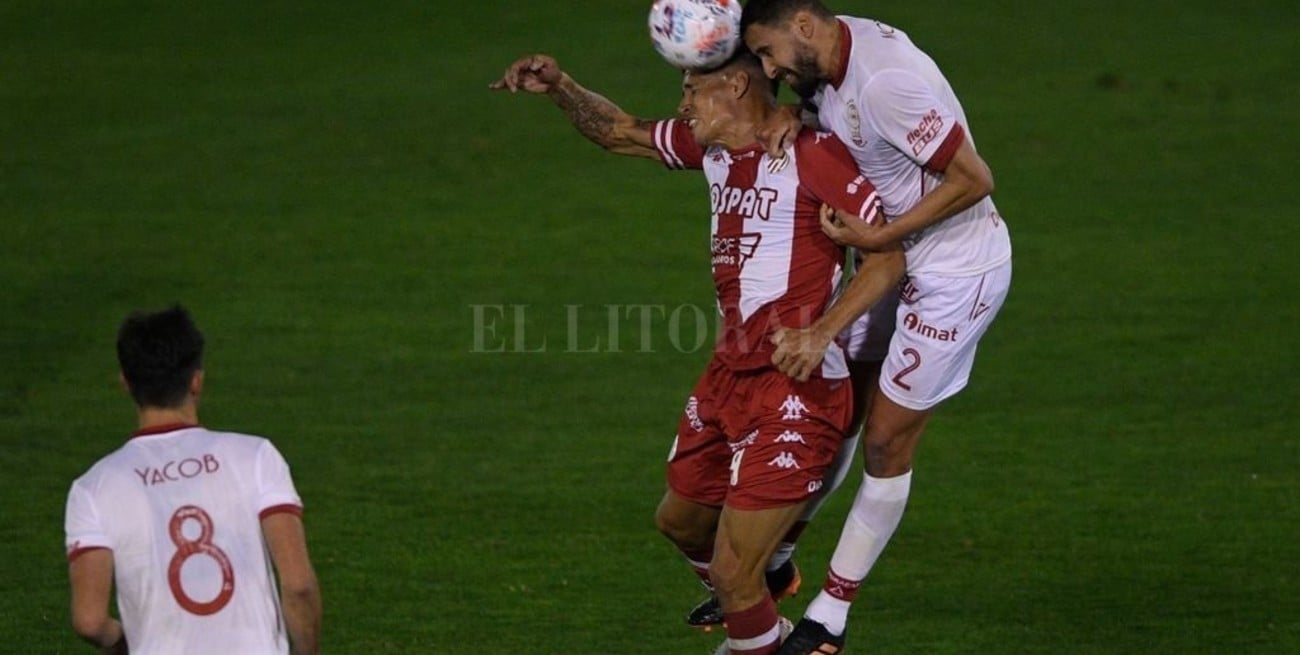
867	338
940	322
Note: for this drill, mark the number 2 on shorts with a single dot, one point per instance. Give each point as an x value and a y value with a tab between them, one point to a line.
910	353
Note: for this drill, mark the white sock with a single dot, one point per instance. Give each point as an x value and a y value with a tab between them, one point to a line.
876	512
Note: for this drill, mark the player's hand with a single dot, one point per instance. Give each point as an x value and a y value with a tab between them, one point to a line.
779	134
798	352
534	74
850	230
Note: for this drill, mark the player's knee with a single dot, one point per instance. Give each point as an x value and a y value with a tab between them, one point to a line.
725	572
737	577
681	530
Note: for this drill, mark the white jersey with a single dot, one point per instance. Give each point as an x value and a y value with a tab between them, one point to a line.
902	122
772	264
181	509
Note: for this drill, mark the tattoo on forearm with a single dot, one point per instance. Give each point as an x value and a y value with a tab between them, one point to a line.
592	114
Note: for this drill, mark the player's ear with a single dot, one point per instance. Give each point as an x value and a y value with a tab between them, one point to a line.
739	82
121	379
196	383
803	24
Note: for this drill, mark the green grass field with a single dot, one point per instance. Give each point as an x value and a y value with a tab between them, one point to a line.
331	189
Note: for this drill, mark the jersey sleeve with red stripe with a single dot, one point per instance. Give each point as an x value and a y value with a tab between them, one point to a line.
911	117
81	523
827	170
676	145
276	492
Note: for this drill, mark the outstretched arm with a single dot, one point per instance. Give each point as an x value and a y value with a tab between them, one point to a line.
594	116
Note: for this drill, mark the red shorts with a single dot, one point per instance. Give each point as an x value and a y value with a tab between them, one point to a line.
757	439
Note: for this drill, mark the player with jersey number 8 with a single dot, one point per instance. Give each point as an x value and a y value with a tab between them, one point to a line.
888	101
191	511
753	444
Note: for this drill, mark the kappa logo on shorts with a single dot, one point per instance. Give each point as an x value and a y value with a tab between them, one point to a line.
784	461
793	408
790	436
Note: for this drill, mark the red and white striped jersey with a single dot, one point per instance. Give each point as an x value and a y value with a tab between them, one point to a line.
772	264
902	122
181	509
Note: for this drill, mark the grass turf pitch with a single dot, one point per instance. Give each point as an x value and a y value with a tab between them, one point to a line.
330	188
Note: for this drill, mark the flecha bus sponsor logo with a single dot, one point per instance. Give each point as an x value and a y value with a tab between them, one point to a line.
925	131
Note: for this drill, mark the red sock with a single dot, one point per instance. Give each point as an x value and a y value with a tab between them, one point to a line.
753	631
841	588
699	561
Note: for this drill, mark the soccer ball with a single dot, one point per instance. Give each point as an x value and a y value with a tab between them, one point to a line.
695	34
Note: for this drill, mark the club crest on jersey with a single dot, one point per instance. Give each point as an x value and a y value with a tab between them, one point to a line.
735	251
746	203
855	123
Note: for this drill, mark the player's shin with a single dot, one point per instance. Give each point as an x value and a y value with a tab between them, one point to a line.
876	513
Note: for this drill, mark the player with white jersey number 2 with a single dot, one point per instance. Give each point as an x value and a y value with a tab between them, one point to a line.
183	519
753	444
900	118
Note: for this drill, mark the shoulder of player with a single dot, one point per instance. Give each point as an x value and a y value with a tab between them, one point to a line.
812	146
889	80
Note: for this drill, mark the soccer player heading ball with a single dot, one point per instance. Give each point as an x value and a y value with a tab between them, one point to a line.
753	444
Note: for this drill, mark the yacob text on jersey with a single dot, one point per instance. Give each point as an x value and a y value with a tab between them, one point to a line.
175	470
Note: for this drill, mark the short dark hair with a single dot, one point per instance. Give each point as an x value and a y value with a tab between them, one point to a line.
770	13
744	59
159	353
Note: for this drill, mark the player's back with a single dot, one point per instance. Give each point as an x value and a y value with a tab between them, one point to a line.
181	512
